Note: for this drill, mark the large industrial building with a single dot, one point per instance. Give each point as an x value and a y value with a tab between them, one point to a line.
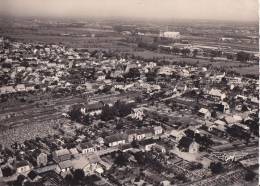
173	35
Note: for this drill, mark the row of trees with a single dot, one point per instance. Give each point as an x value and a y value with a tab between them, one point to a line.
119	109
76	115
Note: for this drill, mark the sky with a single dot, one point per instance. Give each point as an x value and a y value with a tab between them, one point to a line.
237	10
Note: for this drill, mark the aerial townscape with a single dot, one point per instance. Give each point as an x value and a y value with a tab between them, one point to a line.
113	102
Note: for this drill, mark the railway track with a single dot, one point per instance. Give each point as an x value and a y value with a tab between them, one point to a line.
33	113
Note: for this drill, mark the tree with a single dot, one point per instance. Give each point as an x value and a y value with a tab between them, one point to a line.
224	81
249	176
107	113
195	52
243	56
151	76
181	177
135	144
140	158
194	165
122	109
214	114
7	171
75	113
253	125
215	53
19	180
176	50
238	132
78	175
185	51
230	56
133	73
189	133
216	167
25	64
121	159
6	65
203	140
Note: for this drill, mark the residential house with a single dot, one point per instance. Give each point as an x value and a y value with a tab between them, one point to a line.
234	80
233	119
140	134
158	130
176	134
61	155
115	140
194	147
74	152
30	88
165	70
217	78
138	114
7	89
205	113
147	144
100	141
92	166
33	176
223	107
94	108
220	125
86	148
184	144
40	158
100	76
217	130
143	133
22	167
64	167
180	88
52	179
47	168
20	88
20	69
217	94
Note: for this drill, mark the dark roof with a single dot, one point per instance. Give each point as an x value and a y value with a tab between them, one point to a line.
86	145
22	164
115	137
140	131
185	142
94	106
153	177
37	152
145	131
126	147
33	174
147	142
52	178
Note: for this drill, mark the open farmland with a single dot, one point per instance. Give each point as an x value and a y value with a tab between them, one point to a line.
93	37
236	66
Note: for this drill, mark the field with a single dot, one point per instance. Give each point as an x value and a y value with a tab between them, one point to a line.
107	39
236	66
